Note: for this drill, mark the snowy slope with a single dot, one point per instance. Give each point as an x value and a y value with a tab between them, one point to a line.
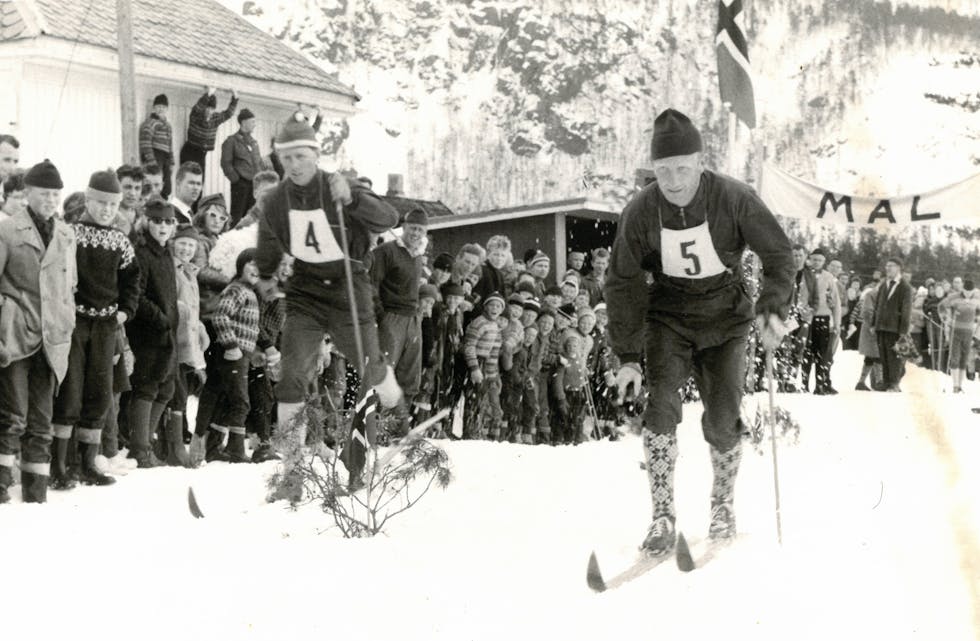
880	528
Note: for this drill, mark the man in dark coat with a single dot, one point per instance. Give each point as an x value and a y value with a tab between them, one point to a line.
687	230
893	312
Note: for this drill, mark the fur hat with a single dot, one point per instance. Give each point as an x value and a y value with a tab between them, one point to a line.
296	132
104	181
161	99
244	258
245	114
416	217
674	135
44	175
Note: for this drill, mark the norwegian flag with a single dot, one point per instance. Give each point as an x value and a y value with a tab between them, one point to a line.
734	72
364	429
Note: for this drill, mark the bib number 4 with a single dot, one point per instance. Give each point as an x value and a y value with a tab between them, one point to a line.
686	252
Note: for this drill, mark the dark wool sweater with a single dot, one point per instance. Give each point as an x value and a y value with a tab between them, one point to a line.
236	319
155	321
201	130
283	224
396	275
108	274
736	218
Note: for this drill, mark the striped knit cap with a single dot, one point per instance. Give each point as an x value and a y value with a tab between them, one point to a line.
296	132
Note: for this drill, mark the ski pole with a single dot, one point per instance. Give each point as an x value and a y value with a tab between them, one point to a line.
772	430
349	275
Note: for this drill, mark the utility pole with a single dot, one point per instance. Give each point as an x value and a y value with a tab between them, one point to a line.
127	81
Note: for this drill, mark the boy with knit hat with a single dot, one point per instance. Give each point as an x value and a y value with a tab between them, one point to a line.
538	264
156	141
300	217
688	230
202	126
223	406
106	297
35	338
512	369
481	351
152	332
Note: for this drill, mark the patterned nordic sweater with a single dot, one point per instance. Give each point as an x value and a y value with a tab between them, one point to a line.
155	133
272	317
482	340
108	273
201	130
236	319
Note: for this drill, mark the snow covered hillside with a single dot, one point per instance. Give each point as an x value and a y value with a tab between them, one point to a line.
880	528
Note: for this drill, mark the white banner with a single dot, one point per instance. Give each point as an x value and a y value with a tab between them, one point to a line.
789	196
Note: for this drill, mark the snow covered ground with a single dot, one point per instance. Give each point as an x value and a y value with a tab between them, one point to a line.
880	522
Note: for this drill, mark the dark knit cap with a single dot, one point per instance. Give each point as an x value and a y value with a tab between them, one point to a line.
161	100
245	114
533	305
212	200
452	289
546	311
568	311
525	286
416	217
674	135
494	296
428	291
244	257
818	252
44	175
967	285
554	290
296	132
157	207
515	299
443	261
188	231
537	257
105	181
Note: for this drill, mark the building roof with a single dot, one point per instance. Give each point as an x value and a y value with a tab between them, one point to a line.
432	208
575	207
200	33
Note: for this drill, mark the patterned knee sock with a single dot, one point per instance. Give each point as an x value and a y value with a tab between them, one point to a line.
661	456
725	467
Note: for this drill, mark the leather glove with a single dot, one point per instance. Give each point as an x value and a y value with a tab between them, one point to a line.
628	375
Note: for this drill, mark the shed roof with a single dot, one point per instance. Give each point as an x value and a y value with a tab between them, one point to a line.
200	33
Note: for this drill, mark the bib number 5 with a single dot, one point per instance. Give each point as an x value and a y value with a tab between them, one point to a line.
686	252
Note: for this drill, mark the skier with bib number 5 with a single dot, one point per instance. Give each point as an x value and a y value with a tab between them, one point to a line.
688	230
300	217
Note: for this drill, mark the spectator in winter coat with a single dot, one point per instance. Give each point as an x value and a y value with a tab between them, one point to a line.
511	375
202	126
224	406
211	221
963	309
867	341
156	141
481	350
262	183
37	317
893	313
192	341
241	161
107	295
396	271
596	279
442	267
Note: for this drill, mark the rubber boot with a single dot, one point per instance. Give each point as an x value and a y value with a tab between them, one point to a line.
661	457
725	467
176	452
34	486
158	449
264	452
214	447
139	433
90	474
61	478
6	480
235	451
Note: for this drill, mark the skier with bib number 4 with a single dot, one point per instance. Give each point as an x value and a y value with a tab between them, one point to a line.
300	217
688	230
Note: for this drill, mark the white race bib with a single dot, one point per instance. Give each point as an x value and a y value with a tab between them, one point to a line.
689	253
311	239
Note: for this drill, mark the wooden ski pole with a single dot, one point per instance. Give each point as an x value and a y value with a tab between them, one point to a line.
351	297
772	431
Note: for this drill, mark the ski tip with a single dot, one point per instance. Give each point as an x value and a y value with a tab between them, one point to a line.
192	504
683	554
593	575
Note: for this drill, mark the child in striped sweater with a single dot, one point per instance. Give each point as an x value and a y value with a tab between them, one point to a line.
481	350
224	403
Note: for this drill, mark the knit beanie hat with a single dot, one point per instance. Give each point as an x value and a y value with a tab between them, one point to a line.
44	175
429	291
443	261
674	135
157	207
568	311
494	296
212	200
571	282
245	114
554	290
212	101
161	100
515	299
601	307
244	258
537	258
533	305
452	289
546	311
416	217
188	231
525	286
584	311
296	132
104	182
